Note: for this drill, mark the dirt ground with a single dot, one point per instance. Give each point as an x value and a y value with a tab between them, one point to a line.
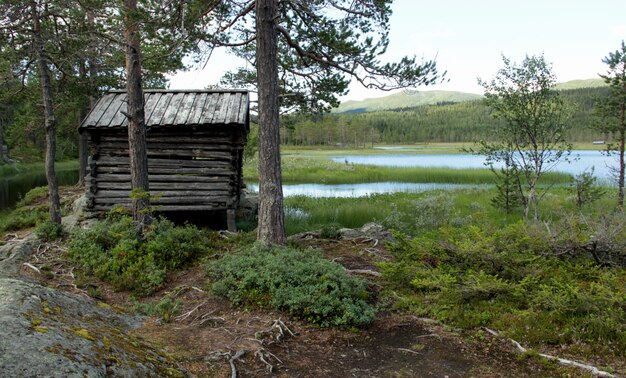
211	338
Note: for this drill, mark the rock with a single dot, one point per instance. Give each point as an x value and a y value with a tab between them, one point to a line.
248	206
14	254
49	333
369	230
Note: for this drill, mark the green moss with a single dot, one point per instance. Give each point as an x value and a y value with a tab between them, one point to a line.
84	333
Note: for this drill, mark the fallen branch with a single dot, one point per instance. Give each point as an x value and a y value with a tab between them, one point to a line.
594	370
28	265
408	350
431	335
188	313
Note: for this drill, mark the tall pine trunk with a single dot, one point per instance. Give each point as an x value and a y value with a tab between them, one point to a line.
137	147
49	120
271	228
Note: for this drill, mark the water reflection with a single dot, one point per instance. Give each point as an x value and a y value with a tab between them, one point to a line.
361	189
13	188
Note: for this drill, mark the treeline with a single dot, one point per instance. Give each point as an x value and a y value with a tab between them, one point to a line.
444	122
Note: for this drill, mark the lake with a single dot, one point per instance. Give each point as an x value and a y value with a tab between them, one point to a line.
580	160
13	188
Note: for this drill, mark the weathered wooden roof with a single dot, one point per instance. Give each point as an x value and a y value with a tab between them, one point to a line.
173	108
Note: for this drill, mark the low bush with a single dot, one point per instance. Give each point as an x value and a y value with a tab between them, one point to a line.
301	282
111	251
514	279
49	231
165	309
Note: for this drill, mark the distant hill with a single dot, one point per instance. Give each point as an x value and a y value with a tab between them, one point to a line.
413	98
578	84
404	99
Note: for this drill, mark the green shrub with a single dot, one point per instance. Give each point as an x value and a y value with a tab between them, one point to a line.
111	251
23	217
165	309
301	282
511	279
33	195
49	231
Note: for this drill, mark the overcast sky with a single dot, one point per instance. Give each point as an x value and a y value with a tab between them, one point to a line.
468	38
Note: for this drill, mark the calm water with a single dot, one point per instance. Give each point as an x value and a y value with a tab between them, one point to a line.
360	190
581	160
13	188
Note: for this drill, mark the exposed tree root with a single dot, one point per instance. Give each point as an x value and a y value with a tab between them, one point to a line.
594	370
364	272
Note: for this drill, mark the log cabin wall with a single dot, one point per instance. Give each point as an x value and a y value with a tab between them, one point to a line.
195	151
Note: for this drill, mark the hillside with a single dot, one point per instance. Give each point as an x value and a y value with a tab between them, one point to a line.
404	99
444	121
579	84
413	98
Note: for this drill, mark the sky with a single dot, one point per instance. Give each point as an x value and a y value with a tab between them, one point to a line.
468	38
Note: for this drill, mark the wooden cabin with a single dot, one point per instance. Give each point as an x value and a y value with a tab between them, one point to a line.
195	150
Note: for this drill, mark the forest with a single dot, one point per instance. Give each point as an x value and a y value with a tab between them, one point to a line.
468	121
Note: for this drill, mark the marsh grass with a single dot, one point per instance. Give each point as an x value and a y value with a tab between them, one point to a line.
320	170
407	211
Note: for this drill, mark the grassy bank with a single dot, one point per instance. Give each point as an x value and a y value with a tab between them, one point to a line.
417	148
8	170
320	170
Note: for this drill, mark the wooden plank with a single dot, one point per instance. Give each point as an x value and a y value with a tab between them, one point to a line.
180	171
120	119
171	208
161	178
226	147
200	153
222	109
151	99
233	108
99	109
111	111
185	109
177	136
159	109
207	200
172	109
116	160
162	193
195	113
170	186
243	110
209	109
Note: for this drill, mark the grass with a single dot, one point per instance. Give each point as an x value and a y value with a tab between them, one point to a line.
317	169
8	170
416	148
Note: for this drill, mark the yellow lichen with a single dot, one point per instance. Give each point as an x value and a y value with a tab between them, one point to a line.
84	333
40	329
35	322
